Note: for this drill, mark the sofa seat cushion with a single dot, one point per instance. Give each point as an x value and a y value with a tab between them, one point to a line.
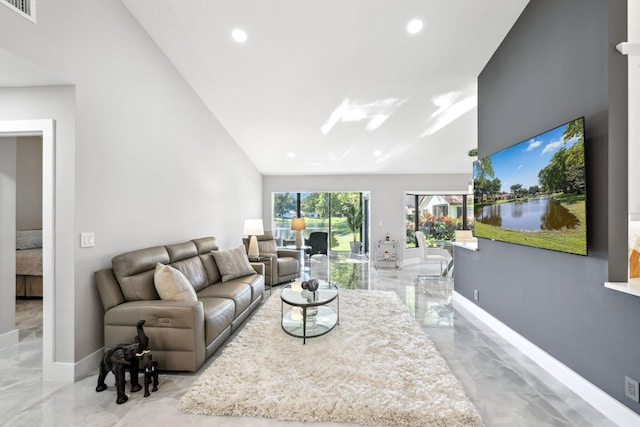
256	281
235	290
218	316
287	266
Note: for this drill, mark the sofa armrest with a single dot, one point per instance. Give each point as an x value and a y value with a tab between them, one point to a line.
175	330
258	267
293	253
109	289
184	314
120	321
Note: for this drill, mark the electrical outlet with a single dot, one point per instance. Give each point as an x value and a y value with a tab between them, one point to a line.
476	294
631	388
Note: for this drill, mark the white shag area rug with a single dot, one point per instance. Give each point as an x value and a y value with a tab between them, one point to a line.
377	367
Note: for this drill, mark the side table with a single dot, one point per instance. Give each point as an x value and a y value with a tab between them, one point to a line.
387	254
263	259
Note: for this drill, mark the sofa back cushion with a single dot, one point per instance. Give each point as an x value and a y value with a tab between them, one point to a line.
267	243
204	246
134	271
184	257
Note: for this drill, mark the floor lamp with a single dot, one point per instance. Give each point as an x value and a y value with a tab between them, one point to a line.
253	228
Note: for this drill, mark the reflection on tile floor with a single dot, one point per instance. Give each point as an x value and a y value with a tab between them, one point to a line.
506	387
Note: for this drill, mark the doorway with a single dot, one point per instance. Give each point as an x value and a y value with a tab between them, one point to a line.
28	211
46	130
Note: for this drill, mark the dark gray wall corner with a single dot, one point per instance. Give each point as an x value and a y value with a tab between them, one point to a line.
558	63
618	90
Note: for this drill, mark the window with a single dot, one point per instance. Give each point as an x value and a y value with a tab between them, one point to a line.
437	216
327	212
441	210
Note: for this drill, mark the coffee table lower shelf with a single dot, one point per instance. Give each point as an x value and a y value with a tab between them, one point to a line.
316	325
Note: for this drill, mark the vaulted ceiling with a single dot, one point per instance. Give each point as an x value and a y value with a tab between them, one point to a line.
337	86
333	86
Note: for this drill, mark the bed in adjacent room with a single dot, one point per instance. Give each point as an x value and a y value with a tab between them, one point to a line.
29	263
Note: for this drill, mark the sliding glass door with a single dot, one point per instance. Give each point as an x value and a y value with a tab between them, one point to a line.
344	215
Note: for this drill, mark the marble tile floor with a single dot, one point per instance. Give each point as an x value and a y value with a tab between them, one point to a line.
506	387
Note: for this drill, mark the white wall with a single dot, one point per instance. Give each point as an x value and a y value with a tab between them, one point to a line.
140	159
29	183
54	103
7	239
387	195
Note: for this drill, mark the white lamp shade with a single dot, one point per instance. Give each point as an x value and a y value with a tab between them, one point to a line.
253	227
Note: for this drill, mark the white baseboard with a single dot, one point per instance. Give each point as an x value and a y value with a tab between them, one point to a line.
89	365
71	372
410	261
610	407
9	338
61	372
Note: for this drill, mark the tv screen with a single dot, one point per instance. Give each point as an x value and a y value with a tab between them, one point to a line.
533	193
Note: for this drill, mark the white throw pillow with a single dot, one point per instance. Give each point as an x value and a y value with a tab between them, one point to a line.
172	285
233	263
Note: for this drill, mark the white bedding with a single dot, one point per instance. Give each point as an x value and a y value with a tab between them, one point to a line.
29	262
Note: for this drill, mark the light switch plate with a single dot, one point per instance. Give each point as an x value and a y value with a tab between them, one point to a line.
87	239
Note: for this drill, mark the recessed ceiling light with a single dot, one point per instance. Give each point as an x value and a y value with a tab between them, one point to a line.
377	153
239	35
291	154
414	26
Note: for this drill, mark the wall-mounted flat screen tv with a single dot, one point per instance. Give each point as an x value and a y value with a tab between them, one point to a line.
534	193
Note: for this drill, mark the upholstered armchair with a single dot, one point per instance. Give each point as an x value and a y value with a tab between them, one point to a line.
286	262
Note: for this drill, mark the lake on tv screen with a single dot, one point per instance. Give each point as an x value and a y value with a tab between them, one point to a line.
533	193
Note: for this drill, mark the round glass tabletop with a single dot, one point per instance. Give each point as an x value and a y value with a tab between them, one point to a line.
294	294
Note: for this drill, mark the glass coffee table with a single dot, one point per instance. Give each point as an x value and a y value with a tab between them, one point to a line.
309	314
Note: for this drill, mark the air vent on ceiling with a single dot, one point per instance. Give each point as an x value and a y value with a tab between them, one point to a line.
25	8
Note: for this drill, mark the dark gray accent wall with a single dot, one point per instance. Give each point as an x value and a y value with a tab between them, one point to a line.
558	63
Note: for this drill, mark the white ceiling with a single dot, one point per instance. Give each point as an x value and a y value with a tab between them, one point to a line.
320	86
303	59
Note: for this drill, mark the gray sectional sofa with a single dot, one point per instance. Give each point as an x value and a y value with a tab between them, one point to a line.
182	334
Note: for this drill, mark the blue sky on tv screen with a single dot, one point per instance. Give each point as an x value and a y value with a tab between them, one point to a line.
521	163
